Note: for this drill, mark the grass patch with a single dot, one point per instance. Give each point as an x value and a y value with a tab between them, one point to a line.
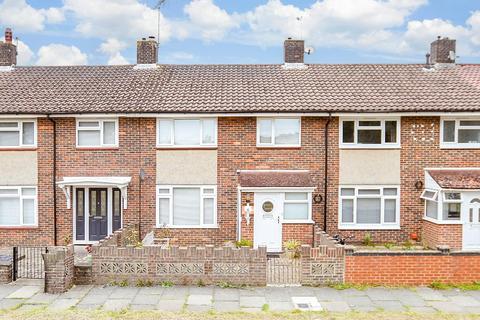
227	285
345	286
438	285
265	307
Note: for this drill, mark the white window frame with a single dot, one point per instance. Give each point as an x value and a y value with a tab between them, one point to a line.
99	128
433	198
363	226
383	145
273	144
308	201
21	198
440	199
455	144
172	134
19	129
203	196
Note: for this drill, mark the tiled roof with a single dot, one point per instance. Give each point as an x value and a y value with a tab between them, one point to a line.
239	88
456	179
261	179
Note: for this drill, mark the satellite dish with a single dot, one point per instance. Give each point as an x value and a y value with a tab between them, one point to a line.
309	50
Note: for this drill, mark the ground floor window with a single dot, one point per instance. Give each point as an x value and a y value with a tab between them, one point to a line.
186	206
367	207
446	207
297	207
18	206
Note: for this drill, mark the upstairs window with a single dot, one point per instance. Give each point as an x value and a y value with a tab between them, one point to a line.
187	132
366	133
457	133
97	133
278	132
18	134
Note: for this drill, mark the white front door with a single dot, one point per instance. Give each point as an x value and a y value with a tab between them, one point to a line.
267	225
471	221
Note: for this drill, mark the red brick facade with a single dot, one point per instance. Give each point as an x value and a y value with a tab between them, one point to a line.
434	234
411	269
236	150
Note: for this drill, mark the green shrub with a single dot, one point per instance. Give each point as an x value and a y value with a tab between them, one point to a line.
166	284
244	243
293	248
123	283
367	240
389	245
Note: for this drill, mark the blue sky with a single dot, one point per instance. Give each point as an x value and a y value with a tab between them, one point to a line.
60	32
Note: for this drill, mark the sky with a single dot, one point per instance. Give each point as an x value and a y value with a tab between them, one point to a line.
99	32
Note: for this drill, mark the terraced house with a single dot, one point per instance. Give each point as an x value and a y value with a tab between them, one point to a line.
206	154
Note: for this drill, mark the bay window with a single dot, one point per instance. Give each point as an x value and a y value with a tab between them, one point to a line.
442	206
365	207
186	206
279	132
457	133
97	133
18	133
374	133
297	207
18	206
187	132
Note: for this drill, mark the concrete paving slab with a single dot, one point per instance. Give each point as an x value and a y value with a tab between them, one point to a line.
226	306
281	306
197	308
364	308
352	292
24	292
390	305
201	290
336	306
124	293
429	294
200	299
10	303
409	298
472	310
77	292
252	301
171	305
116	304
446	306
251	309
220	294
88	306
5	290
151	290
175	293
327	294
151	299
425	309
63	304
380	294
30	307
300	291
465	301
94	299
42	298
253	292
359	301
102	290
142	307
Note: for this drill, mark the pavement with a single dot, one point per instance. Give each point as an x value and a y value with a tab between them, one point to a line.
27	295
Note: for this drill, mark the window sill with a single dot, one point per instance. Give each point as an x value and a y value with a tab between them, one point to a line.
443	222
373	147
97	148
279	147
18	148
186	148
187	227
369	227
298	222
459	146
18	227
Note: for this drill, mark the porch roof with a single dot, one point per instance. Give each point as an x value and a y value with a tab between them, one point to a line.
119	182
456	178
275	178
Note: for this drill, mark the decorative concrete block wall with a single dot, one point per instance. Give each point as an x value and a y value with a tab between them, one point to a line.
322	265
59	269
180	265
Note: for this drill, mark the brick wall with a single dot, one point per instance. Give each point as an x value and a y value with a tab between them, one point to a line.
59	269
5	272
411	268
322	265
434	235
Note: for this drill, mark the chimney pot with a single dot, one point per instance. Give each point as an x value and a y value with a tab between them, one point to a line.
443	50
8	51
293	50
147	51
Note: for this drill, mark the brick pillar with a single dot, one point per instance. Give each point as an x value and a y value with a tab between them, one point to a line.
5	271
59	269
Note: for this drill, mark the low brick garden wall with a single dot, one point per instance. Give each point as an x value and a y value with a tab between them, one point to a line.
5	270
411	268
59	269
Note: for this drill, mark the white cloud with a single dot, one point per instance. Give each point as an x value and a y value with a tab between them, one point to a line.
116	59
19	15
180	55
209	20
60	55
120	19
112	46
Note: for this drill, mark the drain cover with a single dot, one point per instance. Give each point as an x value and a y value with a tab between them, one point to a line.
306	303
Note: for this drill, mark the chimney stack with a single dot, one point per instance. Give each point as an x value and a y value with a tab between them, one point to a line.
443	50
147	51
293	50
8	51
